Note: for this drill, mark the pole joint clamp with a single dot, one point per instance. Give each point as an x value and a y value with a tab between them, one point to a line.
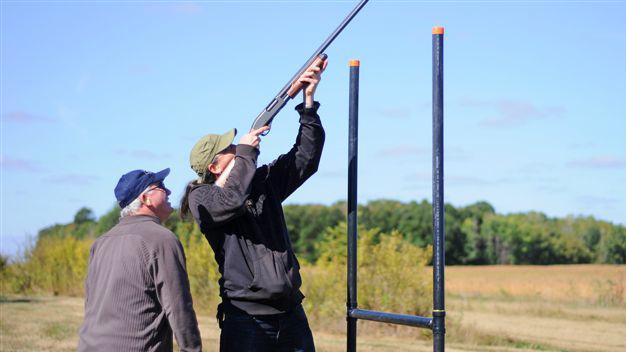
439	313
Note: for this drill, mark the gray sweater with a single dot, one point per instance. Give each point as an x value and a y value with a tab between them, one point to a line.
137	291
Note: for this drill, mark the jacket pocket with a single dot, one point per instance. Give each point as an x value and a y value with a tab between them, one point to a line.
292	268
275	276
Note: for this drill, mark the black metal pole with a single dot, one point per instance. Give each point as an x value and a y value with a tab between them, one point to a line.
352	201
439	311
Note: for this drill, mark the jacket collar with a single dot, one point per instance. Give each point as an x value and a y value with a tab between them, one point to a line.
133	219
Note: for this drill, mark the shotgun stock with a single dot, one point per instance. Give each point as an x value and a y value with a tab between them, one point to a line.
293	87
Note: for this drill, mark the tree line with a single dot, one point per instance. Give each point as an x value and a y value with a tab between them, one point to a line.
475	234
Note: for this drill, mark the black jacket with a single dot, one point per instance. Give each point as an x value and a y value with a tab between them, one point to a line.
245	225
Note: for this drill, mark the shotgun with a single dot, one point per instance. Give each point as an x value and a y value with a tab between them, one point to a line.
293	87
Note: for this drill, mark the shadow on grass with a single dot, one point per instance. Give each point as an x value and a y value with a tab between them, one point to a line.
17	300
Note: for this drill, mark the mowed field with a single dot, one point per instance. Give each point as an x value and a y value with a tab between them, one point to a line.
490	308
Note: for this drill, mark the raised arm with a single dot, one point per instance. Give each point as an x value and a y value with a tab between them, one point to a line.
290	170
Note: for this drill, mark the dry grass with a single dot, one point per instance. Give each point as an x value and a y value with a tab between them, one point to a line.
40	324
52	323
602	284
509	309
549	325
561	307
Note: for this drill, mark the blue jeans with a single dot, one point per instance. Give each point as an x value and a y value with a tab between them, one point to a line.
286	332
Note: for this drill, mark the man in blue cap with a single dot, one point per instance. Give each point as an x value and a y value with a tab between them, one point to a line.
137	289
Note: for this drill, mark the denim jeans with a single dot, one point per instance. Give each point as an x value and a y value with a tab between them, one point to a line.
286	332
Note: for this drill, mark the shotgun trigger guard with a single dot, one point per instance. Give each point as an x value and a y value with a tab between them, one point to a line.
265	133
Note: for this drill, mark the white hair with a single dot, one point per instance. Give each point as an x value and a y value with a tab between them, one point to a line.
133	207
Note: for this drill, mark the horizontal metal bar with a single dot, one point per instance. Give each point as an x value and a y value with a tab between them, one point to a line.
402	319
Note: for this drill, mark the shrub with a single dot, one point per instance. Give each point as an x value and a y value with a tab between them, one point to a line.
56	265
201	266
391	274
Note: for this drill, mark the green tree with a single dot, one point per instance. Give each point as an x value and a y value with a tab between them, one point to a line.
382	214
306	223
471	219
416	222
84	215
477	211
455	237
107	221
476	243
612	246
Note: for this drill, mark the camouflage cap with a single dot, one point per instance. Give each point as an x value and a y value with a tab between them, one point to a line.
207	148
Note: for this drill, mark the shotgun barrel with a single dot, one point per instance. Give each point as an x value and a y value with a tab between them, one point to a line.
293	87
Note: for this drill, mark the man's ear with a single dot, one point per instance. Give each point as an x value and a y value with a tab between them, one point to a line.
214	169
144	199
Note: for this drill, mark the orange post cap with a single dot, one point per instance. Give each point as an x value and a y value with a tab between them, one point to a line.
437	30
353	63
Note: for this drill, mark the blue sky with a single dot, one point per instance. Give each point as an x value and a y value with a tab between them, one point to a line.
534	99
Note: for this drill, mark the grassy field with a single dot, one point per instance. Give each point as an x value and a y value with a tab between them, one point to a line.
492	308
599	284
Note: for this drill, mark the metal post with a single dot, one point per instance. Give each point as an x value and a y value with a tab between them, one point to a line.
439	311
352	201
437	322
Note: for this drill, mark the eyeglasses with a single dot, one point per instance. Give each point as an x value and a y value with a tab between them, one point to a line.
161	187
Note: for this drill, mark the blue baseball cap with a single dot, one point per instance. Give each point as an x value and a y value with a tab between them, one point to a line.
133	183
